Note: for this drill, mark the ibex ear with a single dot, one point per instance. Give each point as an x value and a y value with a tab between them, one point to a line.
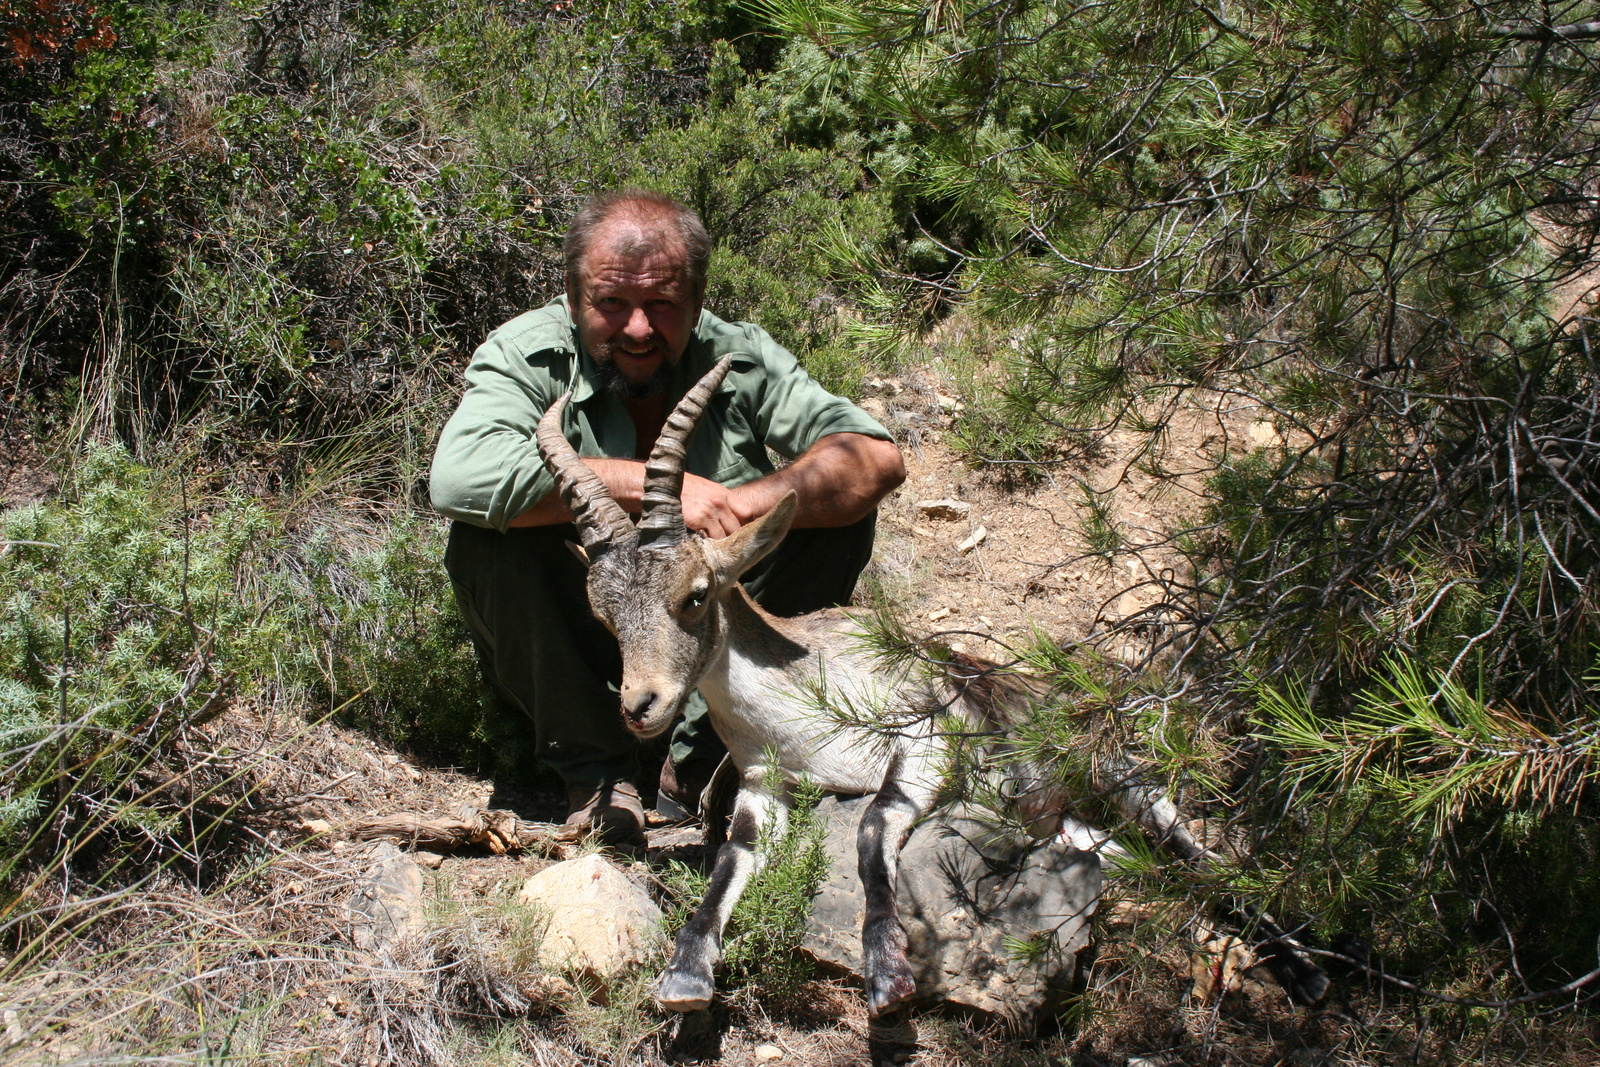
749	545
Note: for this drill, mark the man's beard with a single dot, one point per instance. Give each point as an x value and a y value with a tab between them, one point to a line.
620	385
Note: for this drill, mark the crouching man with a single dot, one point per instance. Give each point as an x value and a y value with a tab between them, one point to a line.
629	338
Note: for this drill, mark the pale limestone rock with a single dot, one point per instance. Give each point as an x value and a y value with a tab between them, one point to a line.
600	921
944	510
387	904
967	896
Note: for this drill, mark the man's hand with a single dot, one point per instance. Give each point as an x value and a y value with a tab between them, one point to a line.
709	507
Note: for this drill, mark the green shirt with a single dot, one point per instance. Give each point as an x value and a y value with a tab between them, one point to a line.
487	469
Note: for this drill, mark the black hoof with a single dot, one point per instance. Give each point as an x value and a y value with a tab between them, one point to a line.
888	986
678	990
1311	987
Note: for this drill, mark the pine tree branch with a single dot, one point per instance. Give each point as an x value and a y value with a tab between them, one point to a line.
1572	31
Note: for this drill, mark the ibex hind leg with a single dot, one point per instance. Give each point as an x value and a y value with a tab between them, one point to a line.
1144	803
1281	952
885	825
688	984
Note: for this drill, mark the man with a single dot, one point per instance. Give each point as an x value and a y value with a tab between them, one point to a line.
628	339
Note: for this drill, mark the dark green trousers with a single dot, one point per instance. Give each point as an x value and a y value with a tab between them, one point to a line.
523	596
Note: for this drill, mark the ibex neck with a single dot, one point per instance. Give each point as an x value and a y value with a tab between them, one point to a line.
759	651
763	639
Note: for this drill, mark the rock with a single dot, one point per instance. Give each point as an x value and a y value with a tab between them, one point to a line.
768	1053
944	510
939	614
967	898
949	404
1264	434
600	921
387	903
431	860
974	539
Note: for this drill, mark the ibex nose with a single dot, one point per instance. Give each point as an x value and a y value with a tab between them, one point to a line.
636	706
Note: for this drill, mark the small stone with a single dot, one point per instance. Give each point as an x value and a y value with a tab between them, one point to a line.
946	510
768	1053
431	860
939	613
987	623
388	901
949	404
600	921
974	539
13	1025
317	826
1263	434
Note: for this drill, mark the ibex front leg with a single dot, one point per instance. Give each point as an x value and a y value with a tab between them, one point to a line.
687	983
885	825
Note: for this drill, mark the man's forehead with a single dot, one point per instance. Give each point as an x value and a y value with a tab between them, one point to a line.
636	243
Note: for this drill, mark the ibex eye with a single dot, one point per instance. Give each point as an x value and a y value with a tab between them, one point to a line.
695	599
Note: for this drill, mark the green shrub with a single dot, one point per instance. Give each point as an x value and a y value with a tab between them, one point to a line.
128	609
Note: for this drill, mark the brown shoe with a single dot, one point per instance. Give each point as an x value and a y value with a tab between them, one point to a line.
613	811
685	785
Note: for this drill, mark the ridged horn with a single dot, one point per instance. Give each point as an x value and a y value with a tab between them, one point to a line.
601	520
662	503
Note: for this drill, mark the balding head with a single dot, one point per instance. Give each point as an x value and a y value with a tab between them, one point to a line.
639	223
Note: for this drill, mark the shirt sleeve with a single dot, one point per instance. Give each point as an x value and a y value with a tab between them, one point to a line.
794	412
486	468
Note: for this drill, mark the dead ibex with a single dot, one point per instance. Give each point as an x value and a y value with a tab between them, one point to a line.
683	622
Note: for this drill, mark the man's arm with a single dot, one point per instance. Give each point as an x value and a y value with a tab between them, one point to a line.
838	480
624	479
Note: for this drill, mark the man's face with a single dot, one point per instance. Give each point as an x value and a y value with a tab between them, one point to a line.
636	309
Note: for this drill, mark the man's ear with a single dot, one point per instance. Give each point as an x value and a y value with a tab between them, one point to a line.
749	545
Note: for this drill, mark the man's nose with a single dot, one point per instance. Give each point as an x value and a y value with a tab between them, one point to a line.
638	326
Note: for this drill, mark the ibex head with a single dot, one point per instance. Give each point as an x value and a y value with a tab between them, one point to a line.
660	589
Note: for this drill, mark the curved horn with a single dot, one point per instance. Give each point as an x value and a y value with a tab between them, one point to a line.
601	520
662	502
